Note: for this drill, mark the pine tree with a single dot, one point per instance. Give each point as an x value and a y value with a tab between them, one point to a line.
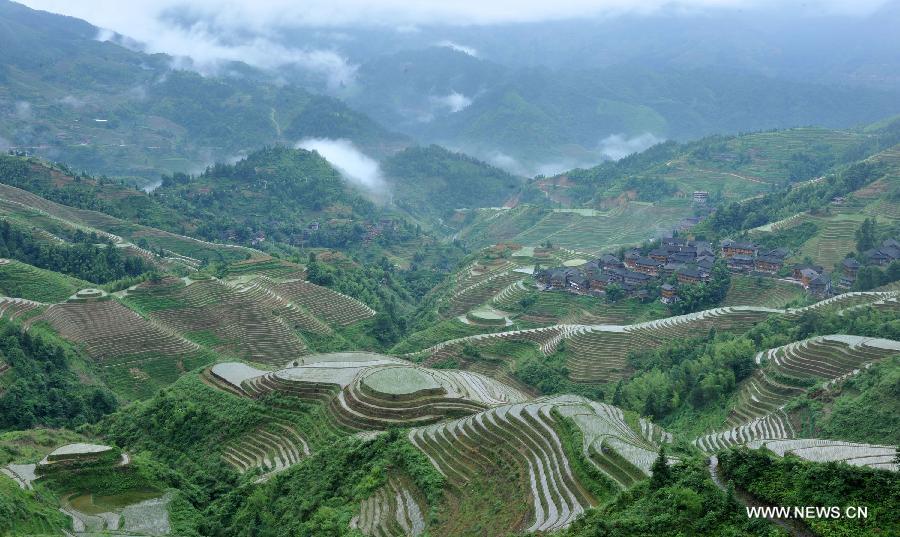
661	474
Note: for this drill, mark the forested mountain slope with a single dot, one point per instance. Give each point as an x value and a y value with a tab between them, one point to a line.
101	107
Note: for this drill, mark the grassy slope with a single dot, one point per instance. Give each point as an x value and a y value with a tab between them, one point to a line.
25	281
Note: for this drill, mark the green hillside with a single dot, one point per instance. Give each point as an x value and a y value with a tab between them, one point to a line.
25	281
433	180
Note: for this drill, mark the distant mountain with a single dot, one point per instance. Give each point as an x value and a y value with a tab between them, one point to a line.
101	107
538	117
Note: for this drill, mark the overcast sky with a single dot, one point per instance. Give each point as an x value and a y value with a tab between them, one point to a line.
244	29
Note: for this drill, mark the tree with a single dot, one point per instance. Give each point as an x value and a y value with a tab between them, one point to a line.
865	235
661	474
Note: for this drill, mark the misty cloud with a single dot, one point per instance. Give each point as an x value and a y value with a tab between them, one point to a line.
454	102
262	16
71	100
23	110
203	48
459	48
617	146
357	167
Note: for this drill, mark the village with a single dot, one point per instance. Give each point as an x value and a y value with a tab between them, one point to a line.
659	269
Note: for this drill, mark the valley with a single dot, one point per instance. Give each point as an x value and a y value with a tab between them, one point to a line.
402	286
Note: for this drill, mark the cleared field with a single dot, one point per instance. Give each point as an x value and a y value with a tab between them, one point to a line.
14	308
22	280
598	353
472	295
331	306
764	292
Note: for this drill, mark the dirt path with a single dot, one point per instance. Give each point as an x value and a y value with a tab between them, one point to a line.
794	527
744	177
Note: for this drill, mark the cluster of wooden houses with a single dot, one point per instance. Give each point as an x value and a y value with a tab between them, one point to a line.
883	255
689	261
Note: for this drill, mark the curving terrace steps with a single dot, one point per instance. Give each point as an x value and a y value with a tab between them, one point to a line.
817	450
272	448
364	391
331	306
231	320
110	331
525	436
13	308
787	372
392	511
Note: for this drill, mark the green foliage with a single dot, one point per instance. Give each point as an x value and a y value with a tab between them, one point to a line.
687	503
705	295
864	408
319	496
44	390
870	277
699	373
434	181
865	235
29	512
660	473
790	481
789	237
549	375
84	259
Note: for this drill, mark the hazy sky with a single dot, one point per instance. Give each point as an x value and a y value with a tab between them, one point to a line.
261	14
244	30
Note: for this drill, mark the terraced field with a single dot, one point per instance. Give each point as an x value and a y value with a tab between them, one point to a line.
15	308
191	250
768	152
787	372
393	510
811	449
244	321
525	435
845	301
271	448
765	292
22	280
365	391
333	307
265	266
834	240
472	295
135	354
625	225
